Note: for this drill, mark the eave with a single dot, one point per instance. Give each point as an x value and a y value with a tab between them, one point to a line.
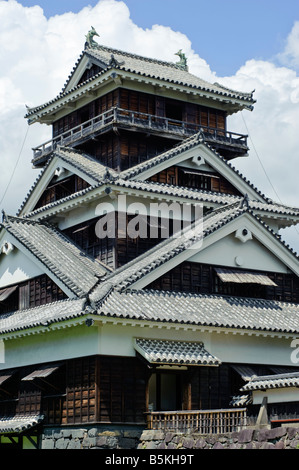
97	318
154	193
115	77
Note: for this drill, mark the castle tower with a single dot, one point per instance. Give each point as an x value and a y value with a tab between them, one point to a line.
110	313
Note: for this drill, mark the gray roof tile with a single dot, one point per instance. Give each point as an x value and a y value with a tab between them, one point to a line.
18	424
152	69
41	316
127	275
57	253
84	162
174	352
272	381
203	310
159	69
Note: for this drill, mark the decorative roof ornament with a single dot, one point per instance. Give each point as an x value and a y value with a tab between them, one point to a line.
245	202
90	43
183	60
4	217
113	62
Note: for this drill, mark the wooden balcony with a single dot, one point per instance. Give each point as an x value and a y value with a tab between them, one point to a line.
125	119
202	422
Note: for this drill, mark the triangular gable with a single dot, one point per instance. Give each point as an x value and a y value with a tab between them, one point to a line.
53	254
195	153
63	164
15	266
216	226
85	68
130	65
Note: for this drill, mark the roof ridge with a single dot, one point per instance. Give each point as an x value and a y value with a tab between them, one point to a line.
186	144
236	299
202	309
178	242
59	254
136	56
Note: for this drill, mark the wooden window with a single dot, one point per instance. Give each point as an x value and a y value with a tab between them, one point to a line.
84	235
10	299
202	279
194	179
173	110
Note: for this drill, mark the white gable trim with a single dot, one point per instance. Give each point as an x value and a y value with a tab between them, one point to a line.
202	152
258	231
47	174
10	238
84	63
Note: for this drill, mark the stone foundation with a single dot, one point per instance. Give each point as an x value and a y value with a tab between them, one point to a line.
250	438
91	438
138	438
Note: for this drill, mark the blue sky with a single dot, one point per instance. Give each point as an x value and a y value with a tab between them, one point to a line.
225	33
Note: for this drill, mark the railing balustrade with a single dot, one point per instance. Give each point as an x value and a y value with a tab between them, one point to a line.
143	120
202	421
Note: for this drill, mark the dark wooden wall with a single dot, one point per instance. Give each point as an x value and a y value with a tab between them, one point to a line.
114	390
84	390
210	388
143	103
61	189
115	251
123	150
38	291
202	279
179	176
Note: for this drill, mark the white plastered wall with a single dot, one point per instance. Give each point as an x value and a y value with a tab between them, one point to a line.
118	340
230	251
16	267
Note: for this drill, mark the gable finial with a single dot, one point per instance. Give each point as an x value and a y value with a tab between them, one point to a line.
183	60
4	217
113	62
245	201
90	43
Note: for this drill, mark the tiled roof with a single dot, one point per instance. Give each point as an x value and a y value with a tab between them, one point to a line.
202	310
125	276
185	145
242	400
148	68
130	273
41	316
272	381
159	69
174	352
81	161
57	253
17	424
84	162
129	179
204	197
113	297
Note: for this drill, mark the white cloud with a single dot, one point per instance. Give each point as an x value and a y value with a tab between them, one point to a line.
290	55
37	55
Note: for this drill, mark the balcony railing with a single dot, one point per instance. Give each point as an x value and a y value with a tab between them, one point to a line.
148	122
202	422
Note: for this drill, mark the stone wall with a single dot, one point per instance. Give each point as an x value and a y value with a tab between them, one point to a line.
137	438
91	438
249	438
